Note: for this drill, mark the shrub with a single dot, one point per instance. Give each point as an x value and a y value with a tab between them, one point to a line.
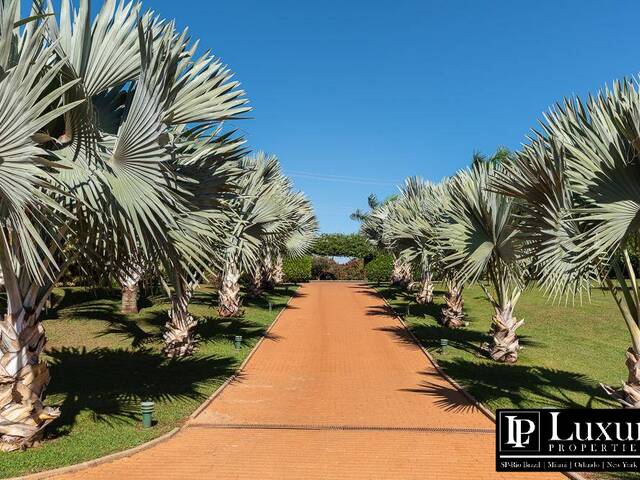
379	269
352	270
342	245
324	268
297	270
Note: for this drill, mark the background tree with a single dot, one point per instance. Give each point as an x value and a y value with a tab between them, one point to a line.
30	217
411	229
479	235
577	182
360	215
343	245
501	156
372	228
264	214
128	85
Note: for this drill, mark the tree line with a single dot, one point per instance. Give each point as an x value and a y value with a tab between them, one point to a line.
561	213
117	161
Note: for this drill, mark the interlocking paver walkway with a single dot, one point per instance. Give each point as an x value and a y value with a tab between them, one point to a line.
336	392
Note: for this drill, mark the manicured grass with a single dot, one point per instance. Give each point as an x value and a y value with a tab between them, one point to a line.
568	351
104	363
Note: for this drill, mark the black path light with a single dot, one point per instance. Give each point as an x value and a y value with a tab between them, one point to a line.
238	342
444	343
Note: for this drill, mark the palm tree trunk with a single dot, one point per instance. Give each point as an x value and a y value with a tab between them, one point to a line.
504	345
629	395
229	295
425	294
256	281
23	379
278	270
627	300
401	274
268	280
130	286
129	303
396	273
179	339
407	276
453	313
23	375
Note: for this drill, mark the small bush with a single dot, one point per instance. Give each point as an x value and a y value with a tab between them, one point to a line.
352	270
326	268
297	270
379	269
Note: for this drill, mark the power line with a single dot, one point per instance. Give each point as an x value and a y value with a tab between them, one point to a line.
341	178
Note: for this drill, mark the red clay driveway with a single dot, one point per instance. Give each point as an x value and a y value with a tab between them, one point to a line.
336	392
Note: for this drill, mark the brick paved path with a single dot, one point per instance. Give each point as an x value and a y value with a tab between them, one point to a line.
337	392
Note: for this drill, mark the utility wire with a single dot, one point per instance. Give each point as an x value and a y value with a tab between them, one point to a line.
340	178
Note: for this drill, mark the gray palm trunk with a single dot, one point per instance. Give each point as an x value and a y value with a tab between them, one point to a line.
129	301
401	274
23	379
24	376
396	273
453	312
179	338
229	294
130	288
629	394
504	344
268	263
627	298
256	283
425	292
278	270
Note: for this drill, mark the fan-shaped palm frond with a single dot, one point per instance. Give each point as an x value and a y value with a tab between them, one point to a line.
577	184
105	121
410	228
28	216
267	219
480	238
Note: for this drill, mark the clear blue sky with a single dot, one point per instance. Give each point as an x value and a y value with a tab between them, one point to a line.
378	91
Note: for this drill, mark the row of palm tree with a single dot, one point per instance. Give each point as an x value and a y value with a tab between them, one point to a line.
115	158
560	213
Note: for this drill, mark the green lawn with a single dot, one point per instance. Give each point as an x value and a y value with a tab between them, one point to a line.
568	351
103	363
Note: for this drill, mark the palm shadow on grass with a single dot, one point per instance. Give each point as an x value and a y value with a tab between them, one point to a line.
208	329
210	298
130	330
521	385
430	335
103	305
110	383
407	299
65	303
215	328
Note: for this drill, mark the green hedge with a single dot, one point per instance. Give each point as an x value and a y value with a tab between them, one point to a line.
379	269
297	270
343	245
